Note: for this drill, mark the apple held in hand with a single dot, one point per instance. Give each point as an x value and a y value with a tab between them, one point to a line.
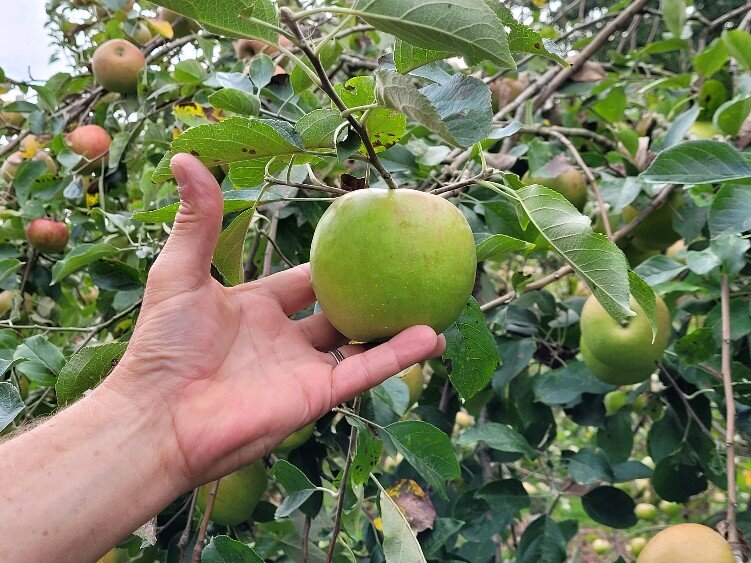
384	260
47	236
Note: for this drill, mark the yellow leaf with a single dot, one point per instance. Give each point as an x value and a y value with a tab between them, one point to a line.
378	524
163	28
190	113
92	199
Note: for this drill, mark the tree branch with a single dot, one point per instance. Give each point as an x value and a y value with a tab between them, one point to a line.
288	17
198	548
343	484
727	383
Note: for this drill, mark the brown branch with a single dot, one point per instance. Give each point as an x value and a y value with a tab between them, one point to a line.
592	47
305	536
588	175
288	17
727	383
198	548
326	189
269	252
450	190
686	404
570	132
343	483
185	536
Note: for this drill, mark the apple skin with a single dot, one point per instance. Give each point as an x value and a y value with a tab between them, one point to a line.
385	260
622	354
295	440
10	167
413	378
687	543
646	511
116	65
47	236
6	301
186	26
560	176
90	141
237	496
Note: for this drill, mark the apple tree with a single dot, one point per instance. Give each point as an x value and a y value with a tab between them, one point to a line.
596	386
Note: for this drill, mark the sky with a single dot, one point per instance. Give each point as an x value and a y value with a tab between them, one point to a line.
25	44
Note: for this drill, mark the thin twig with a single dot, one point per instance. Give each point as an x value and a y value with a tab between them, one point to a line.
570	132
727	383
288	17
592	47
303	186
185	536
198	548
343	484
686	404
449	189
588	175
305	536
269	252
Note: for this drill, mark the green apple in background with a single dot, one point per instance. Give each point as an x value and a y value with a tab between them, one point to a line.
559	175
646	511
237	496
385	260
295	440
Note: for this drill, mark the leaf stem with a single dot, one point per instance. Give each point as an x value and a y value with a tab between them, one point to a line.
349	111
332	34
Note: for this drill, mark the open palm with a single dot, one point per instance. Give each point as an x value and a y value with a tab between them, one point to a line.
236	373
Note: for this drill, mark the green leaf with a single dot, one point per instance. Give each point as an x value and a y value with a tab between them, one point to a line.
11	404
385	128
230	18
400	544
593	257
298	487
427	449
697	162
357	91
223	549
113	275
228	253
712	58
43	359
234	201
681	125
459	111
522	39
542	540
395	393
612	107
565	386
86	369
443	529
498	247
731	252
610	506
471	354
617	437
645	297
467	27
677	480
80	257
730	116
731	210
367	454
188	72
659	269
407	57
697	346
235	139
588	466
8	267
317	128
231	99
674	14
498	437
738	43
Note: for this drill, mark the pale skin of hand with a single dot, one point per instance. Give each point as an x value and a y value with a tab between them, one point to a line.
212	379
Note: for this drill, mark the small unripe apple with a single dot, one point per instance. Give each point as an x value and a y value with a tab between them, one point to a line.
670	509
47	235
646	511
92	142
90	294
636	545
601	546
10	167
6	301
141	33
615	401
703	130
464	419
11	119
237	496
295	440
506	89
413	378
560	176
116	65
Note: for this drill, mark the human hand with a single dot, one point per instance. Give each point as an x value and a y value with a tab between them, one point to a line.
232	373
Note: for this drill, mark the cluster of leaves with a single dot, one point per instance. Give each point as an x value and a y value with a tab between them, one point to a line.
510	449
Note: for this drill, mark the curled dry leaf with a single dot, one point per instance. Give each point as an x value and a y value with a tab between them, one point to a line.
414	504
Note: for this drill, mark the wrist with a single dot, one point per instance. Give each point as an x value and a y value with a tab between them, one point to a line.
141	413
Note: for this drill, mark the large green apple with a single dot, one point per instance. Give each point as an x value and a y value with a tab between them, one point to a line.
237	496
295	440
687	543
384	260
622	353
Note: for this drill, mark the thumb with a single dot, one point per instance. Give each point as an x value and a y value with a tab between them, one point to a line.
186	256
